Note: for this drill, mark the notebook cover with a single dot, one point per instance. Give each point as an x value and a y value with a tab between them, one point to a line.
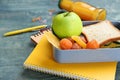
41	59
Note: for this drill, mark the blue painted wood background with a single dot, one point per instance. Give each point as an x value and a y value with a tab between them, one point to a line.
18	14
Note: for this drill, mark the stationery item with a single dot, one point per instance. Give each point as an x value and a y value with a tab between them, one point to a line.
36	37
24	30
83	9
41	59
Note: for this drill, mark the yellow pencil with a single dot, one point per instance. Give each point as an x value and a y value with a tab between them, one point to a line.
24	30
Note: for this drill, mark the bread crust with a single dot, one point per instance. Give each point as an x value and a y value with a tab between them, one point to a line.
110	40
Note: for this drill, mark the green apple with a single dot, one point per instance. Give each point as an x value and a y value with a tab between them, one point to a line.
66	24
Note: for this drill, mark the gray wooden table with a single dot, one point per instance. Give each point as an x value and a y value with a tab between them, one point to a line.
18	14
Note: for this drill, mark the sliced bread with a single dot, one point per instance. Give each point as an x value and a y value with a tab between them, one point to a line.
103	32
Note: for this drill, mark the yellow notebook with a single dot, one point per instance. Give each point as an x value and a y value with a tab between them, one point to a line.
41	59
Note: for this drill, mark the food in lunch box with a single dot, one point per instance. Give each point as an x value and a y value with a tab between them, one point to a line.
102	32
113	44
93	44
76	42
65	43
52	39
66	24
79	41
100	35
69	33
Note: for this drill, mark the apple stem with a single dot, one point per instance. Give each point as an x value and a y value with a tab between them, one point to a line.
66	14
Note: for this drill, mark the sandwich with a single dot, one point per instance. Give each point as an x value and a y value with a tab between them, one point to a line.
103	32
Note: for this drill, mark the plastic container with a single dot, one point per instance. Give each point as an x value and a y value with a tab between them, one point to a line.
88	55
